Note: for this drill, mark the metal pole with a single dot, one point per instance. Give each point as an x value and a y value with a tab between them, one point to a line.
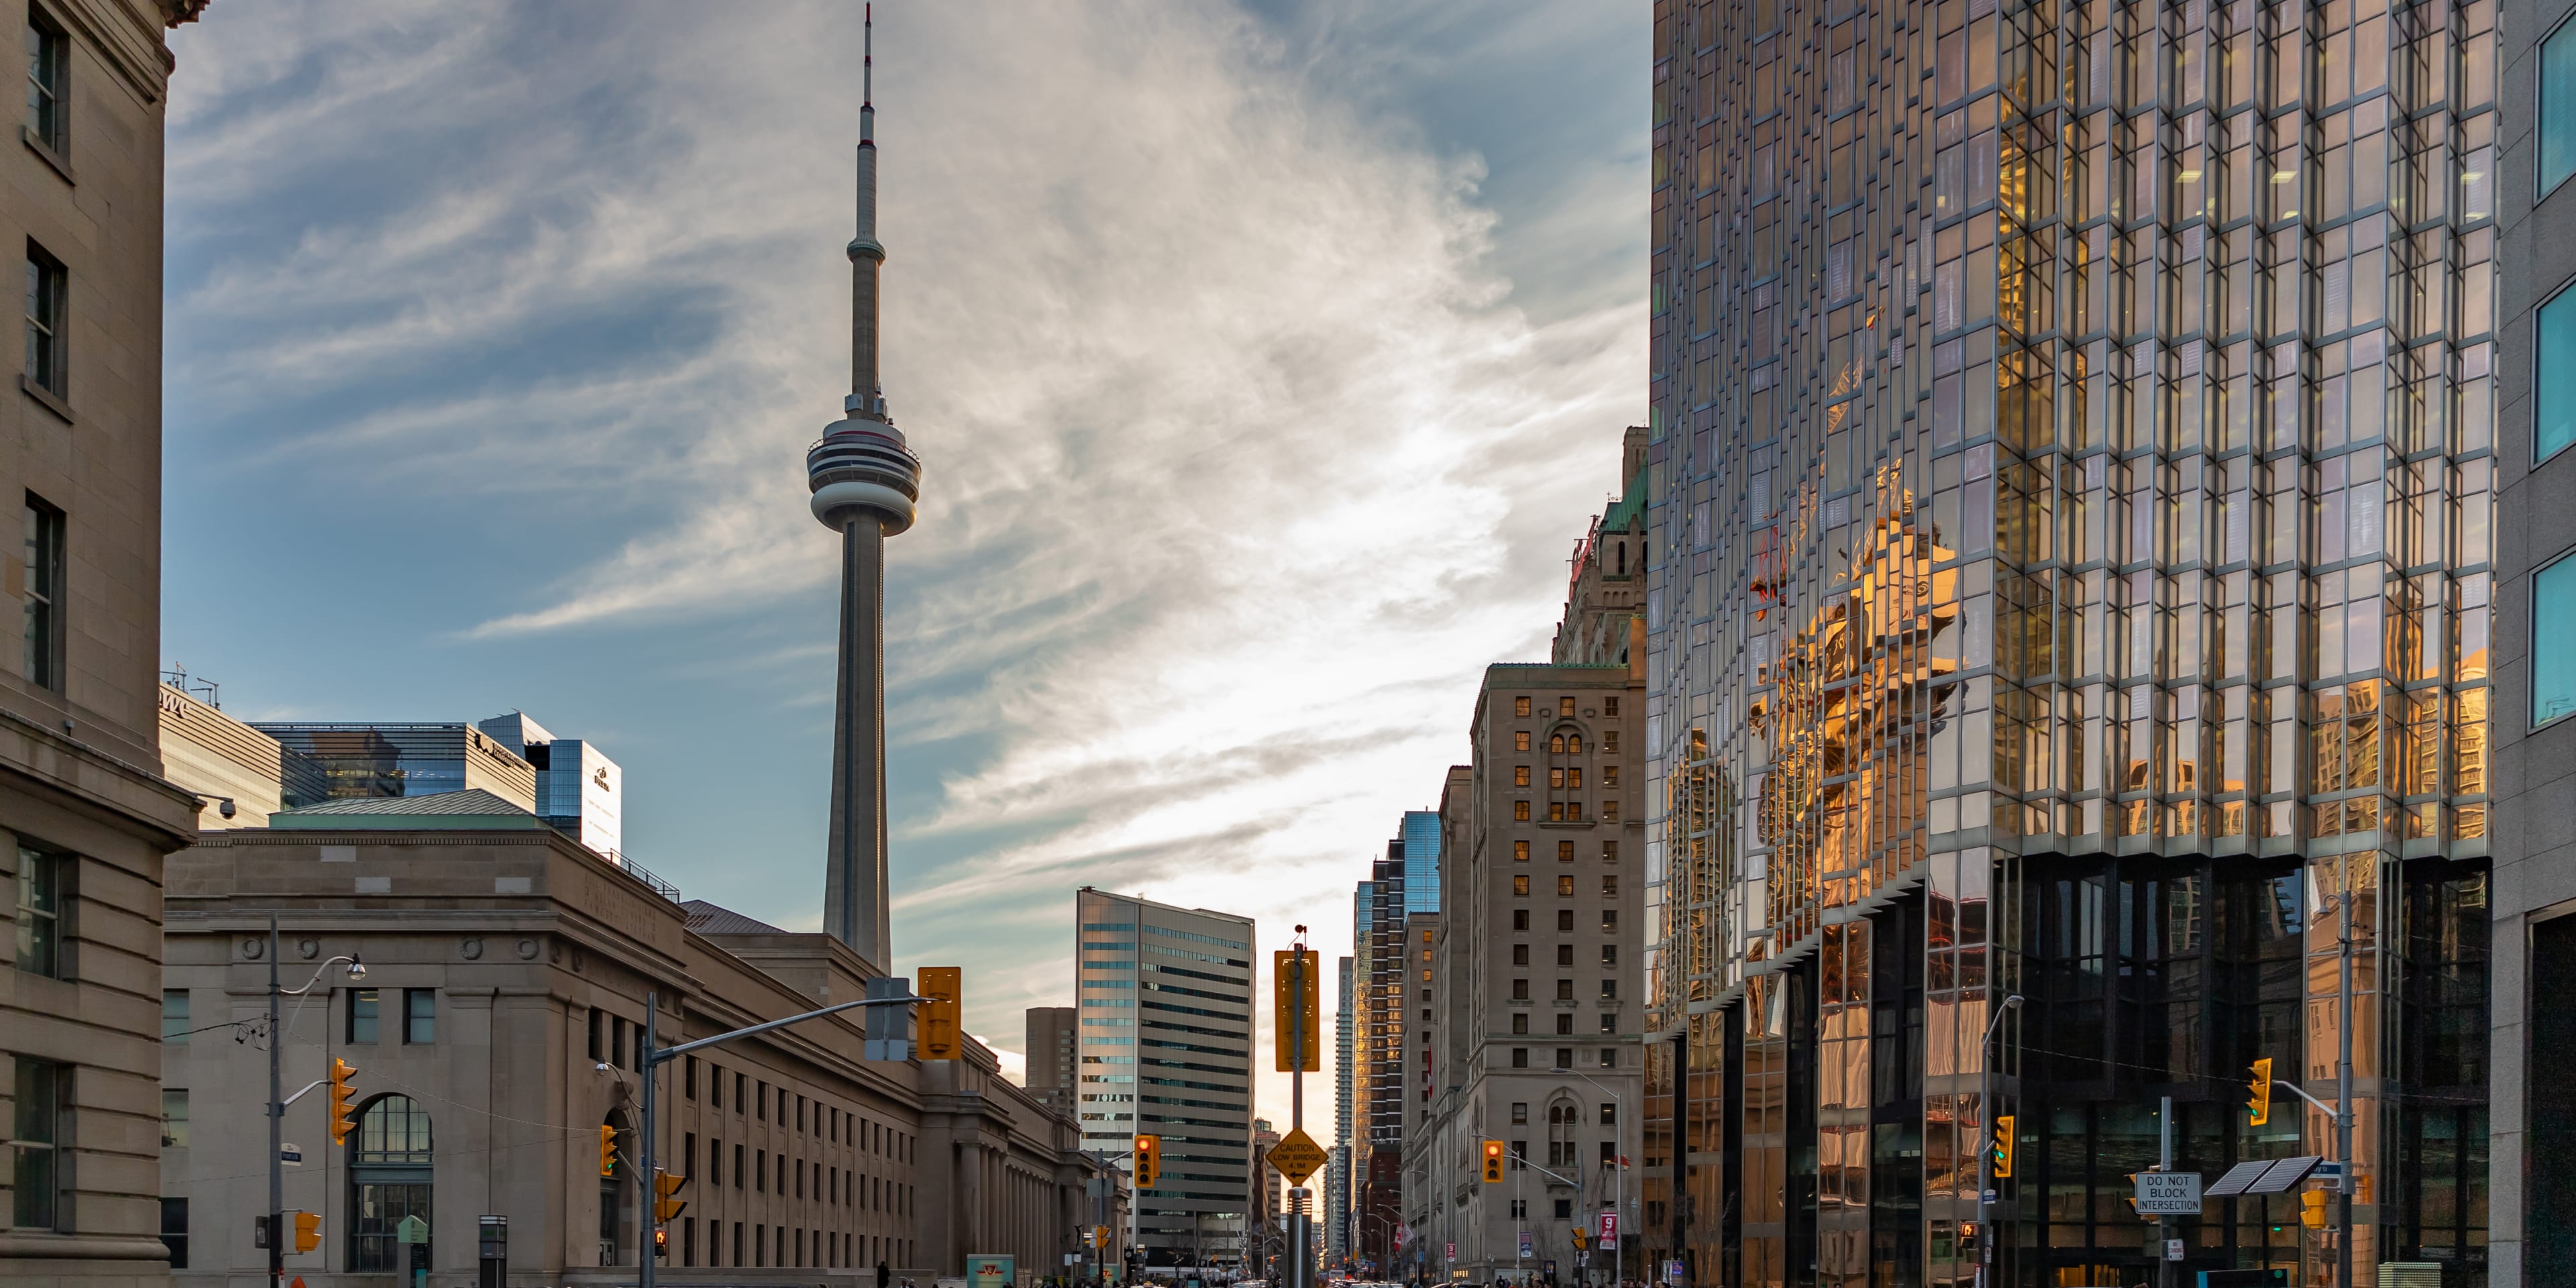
2343	1081
646	1222
1986	1155
2164	1224
276	1126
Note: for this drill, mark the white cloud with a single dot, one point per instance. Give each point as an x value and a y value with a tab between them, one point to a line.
1240	461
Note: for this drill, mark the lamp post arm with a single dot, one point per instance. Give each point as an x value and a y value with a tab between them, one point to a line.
663	1055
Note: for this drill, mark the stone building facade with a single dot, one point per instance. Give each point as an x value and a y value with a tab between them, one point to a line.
85	814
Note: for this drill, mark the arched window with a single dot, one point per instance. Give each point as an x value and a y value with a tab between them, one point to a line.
1562	1115
1565	776
389	1178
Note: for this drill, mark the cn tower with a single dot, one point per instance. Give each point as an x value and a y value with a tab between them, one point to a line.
865	484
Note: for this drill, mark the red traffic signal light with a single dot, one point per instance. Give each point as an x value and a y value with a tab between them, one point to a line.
1493	1161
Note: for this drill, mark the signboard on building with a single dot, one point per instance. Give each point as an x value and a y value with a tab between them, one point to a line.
1609	1225
987	1271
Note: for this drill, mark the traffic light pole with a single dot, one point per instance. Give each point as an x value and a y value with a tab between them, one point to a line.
650	1058
276	1126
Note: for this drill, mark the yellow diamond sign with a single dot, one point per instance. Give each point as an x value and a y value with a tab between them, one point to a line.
1297	1157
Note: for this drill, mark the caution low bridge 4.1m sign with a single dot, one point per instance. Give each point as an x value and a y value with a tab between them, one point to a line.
1297	1156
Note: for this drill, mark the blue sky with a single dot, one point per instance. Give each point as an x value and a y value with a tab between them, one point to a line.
1265	362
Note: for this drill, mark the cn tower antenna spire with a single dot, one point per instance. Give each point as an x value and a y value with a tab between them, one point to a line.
867	254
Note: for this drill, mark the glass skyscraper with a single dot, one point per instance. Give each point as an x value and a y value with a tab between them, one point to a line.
2069	482
1421	838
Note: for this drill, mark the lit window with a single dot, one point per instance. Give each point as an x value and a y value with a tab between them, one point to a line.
1610	706
1520	851
2553	617
1520	811
1565	886
1565	851
2553	403
1521	741
2557	107
1520	776
1610	811
1565	706
1520	885
1520	706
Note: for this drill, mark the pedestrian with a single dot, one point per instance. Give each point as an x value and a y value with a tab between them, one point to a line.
881	1281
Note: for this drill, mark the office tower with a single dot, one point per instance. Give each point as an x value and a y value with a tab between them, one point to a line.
1379	1165
2068	499
2532	1141
866	483
1269	1200
85	814
1166	1048
412	758
1051	1050
580	791
1336	1217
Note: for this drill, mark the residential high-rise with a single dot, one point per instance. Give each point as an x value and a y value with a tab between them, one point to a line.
1051	1050
86	816
866	484
1378	1166
1336	1214
2069	558
2531	1137
1166	1047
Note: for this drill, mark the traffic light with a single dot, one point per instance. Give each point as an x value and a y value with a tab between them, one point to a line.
2312	1208
1493	1162
2003	1146
308	1231
1295	978
666	1188
341	1094
1100	1236
1149	1161
942	1037
2258	1103
1578	1238
607	1150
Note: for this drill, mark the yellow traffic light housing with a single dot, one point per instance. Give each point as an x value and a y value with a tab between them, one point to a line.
1493	1162
942	1028
1295	980
607	1150
1149	1161
2003	1147
2258	1102
2312	1208
667	1205
308	1231
1578	1238
342	1120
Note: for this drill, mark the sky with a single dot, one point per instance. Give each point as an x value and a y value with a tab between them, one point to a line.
1265	361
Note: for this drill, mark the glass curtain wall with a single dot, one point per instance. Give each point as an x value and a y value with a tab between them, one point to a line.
2069	487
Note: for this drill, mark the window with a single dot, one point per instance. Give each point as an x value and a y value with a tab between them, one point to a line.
1609	851
48	58
2553	372
2553	617
1520	1022
1609	887
1565	1024
2557	95
1520	811
1520	776
1564	1058
389	1173
174	1231
715	1085
1609	775
1610	706
598	1035
1520	990
174	1118
362	1017
1520	1057
1609	811
1564	1209
1521	741
43	666
1565	851
1610	1114
41	902
47	284
1520	954
420	1015
1520	918
1609	1022
1520	1209
1565	706
1565	886
1609	1055
1520	706
737	1166
689	1077
1565	921
1564	993
174	1015
1565	954
1609	989
1609	954
741	1085
1609	919
1520	885
1520	851
37	1177
1609	740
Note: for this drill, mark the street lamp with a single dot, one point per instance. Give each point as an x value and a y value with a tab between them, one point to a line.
1618	1170
1986	1116
277	1101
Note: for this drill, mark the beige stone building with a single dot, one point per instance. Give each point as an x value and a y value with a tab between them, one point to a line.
1607	582
498	1029
85	815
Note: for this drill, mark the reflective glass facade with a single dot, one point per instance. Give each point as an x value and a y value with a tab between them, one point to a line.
1421	840
2069	487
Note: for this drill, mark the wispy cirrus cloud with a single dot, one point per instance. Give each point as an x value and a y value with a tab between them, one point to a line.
1247	442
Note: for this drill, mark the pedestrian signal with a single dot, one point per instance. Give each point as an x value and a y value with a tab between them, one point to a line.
2003	1146
342	1121
1578	1238
1149	1161
1493	1161
942	1037
607	1150
308	1231
2258	1102
2312	1208
661	1243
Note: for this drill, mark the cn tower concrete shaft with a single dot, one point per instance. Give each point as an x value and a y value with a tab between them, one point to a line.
855	911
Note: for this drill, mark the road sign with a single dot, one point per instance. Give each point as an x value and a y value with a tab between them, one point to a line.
291	1154
2168	1193
1297	1156
2173	1249
412	1230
